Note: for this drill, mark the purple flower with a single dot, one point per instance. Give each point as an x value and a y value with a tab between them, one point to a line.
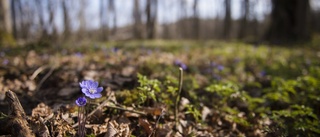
236	60
180	64
90	89
184	66
79	54
81	101
5	62
220	67
216	77
213	64
115	49
263	73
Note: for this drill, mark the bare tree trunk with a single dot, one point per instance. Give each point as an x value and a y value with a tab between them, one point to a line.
51	9
103	21
137	32
195	20
66	20
27	15
244	19
151	11
21	18
302	19
290	21
5	21
227	19
22	30
182	24
113	13
5	16
82	20
42	25
13	17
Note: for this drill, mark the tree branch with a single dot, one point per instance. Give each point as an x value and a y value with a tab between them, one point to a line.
15	123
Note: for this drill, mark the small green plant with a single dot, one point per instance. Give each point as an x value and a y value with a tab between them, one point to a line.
297	120
147	88
194	112
155	90
225	91
232	115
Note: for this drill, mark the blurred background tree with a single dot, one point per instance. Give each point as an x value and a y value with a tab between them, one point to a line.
5	23
273	21
290	21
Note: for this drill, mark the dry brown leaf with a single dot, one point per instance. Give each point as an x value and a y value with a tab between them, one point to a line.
165	131
130	114
90	74
98	128
156	111
128	71
41	110
117	130
39	127
146	125
32	58
205	112
112	130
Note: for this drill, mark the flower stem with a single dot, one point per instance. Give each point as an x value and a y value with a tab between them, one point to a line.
178	96
81	121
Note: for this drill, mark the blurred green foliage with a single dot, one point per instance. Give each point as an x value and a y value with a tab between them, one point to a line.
258	83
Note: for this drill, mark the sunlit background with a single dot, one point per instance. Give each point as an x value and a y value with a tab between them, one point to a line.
248	20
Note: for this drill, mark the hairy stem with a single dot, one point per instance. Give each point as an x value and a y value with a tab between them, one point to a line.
176	109
81	121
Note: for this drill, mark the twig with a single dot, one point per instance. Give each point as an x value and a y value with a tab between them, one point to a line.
37	72
156	124
124	109
97	108
45	78
176	109
104	104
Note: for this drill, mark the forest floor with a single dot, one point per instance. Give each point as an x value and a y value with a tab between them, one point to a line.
227	89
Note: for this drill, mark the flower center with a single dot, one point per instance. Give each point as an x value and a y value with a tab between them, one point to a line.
82	102
92	91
